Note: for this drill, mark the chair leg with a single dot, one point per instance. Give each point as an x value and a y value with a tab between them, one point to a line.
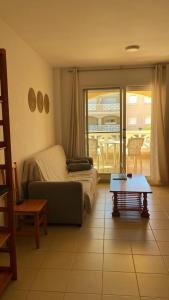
141	164
98	163
37	234
135	164
18	222
103	160
45	220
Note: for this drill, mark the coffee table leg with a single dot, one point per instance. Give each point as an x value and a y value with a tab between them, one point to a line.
115	212
145	213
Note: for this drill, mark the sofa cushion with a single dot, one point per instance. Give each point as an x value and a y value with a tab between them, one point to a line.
74	167
77	161
52	164
89	180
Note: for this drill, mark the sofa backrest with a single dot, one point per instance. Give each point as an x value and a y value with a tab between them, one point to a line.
52	163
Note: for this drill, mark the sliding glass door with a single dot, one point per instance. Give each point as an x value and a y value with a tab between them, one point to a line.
138	129
103	127
118	129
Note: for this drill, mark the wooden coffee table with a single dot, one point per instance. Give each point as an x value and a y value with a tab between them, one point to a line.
130	194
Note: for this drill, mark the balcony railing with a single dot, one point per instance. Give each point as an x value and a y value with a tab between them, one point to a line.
104	107
104	128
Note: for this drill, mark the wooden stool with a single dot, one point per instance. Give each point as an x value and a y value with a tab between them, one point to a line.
30	207
36	208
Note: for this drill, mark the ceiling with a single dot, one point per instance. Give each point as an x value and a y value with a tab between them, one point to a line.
91	32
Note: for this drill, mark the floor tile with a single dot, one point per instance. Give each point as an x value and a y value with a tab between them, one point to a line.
108	205
149	264
97	214
117	246
87	261
59	260
155	208
36	295
25	279
118	262
99	207
127	234
145	247
153	285
69	263
120	283
117	297
108	215
72	296
85	282
14	295
159	224
98	223
28	243
30	260
90	245
164	247
150	298
126	224
64	244
51	280
69	232
161	235
166	261
158	215
93	233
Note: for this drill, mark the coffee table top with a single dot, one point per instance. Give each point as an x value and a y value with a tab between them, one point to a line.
137	184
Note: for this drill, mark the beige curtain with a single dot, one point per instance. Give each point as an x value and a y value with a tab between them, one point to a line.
159	163
76	140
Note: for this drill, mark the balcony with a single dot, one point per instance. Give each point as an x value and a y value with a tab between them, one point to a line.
104	107
104	128
104	147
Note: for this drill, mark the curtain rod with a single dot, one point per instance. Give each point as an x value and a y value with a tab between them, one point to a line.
114	68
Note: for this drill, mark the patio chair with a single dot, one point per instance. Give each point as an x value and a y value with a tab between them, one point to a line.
96	152
134	151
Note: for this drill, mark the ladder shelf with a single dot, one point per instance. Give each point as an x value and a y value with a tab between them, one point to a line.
7	232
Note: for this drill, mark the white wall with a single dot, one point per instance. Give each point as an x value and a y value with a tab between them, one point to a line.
30	132
94	79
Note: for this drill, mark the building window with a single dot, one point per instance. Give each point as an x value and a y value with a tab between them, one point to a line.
132	121
147	120
132	99
147	100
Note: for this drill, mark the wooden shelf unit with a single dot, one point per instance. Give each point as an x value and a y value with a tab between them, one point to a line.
4	236
7	231
5	278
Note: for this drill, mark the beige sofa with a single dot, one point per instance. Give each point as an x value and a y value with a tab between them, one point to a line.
45	175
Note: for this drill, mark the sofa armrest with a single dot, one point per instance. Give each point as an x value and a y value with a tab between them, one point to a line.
65	200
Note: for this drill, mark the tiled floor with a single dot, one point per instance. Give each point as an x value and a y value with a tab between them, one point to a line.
124	258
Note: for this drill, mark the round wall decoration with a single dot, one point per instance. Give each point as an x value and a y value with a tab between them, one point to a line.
46	103
40	101
31	99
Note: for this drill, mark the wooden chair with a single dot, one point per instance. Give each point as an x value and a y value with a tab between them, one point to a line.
37	208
